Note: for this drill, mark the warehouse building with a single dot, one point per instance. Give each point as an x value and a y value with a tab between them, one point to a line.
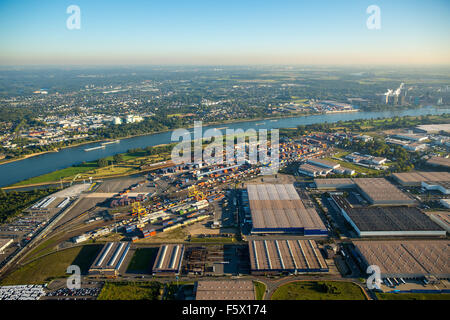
277	208
323	163
169	259
439	162
110	259
442	218
312	170
5	243
225	290
406	258
445	203
334	183
285	256
441	186
414	179
379	191
387	221
433	128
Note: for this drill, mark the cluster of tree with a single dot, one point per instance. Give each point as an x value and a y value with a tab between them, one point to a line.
12	203
365	125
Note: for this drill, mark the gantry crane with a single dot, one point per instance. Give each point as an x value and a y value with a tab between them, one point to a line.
193	192
136	208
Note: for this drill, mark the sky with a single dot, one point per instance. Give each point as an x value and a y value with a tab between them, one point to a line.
228	32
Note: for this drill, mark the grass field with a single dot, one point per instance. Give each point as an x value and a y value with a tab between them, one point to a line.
413	296
142	260
260	289
319	290
53	266
59	174
130	291
213	239
355	167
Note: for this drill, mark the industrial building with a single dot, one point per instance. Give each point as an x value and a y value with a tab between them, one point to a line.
323	163
442	218
312	170
225	290
414	179
387	221
278	208
377	191
5	243
278	256
445	203
168	261
439	162
441	186
110	259
334	183
433	128
406	258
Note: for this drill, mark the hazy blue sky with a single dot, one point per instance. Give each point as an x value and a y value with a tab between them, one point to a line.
224	32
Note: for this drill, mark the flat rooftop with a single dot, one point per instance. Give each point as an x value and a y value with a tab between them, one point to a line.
441	217
414	178
278	206
381	191
169	258
5	243
434	128
407	257
333	182
439	161
391	219
225	290
286	255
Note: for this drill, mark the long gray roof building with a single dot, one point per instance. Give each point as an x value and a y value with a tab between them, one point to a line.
278	208
274	256
407	258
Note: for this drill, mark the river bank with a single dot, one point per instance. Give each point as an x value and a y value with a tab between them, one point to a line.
24	169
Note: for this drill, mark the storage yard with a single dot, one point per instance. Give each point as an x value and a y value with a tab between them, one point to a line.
225	290
291	256
406	258
278	208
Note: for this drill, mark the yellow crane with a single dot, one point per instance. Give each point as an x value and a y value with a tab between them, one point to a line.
193	192
136	208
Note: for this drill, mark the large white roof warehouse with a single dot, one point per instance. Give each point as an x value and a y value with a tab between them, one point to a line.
278	208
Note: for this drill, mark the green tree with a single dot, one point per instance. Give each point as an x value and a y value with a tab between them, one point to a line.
102	162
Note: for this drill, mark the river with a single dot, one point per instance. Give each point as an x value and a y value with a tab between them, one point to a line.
24	169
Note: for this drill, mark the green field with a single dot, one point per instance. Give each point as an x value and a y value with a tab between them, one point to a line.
358	169
260	289
319	290
59	174
213	239
53	266
130	291
413	296
143	260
